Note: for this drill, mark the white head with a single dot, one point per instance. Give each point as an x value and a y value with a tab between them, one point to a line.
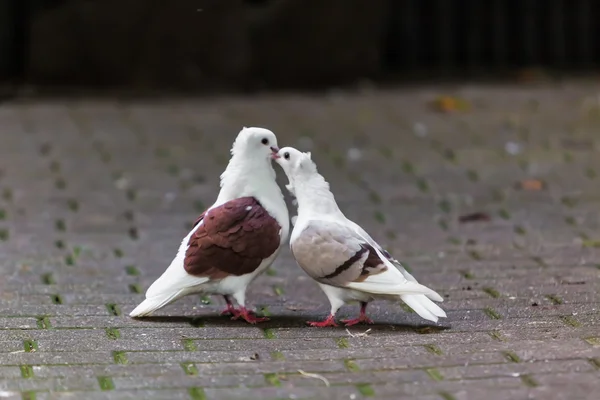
306	184
295	163
256	143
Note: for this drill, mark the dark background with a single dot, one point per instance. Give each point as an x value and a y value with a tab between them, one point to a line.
202	46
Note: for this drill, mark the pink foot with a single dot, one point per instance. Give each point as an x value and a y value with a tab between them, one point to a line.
330	321
230	311
362	318
248	316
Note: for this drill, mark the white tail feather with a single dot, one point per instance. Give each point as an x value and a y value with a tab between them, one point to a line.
152	304
424	307
399	289
173	284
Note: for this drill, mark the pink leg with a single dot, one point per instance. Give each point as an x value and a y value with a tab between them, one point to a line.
248	316
361	318
329	321
230	310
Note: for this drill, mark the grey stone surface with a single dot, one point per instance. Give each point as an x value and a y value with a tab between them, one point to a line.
96	194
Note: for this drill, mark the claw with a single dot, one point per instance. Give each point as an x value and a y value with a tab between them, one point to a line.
329	321
230	311
362	318
248	316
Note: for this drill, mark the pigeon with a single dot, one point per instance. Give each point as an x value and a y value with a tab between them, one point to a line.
345	261
235	239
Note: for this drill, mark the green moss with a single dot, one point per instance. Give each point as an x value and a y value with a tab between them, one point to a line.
472	175
106	383
423	185
554	299
504	214
48	279
28	395
60	225
408	167
351	365
434	374
26	371
570	320
135	288
60	184
379	217
374	198
73	205
131	270
493	314
529	381
342	343
433	349
189	345
446	396
445	206
272	379
43	322
189	369
492	292
512	357
113	309
365	389
113	333
120	357
30	346
269	334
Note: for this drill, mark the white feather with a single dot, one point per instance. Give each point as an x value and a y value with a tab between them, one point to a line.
316	202
245	175
172	284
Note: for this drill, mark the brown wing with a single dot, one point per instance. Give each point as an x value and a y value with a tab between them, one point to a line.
233	240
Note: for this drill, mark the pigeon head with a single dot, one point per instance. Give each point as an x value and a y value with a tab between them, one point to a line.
294	162
255	142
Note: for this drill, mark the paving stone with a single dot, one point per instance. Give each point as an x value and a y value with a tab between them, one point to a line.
95	196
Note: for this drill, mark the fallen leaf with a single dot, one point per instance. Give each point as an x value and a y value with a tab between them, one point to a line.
478	216
316	376
450	104
531	184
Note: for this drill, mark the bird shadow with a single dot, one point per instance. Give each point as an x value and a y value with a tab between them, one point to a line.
292	321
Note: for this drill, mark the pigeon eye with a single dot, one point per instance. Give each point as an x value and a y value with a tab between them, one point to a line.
265	141
286	156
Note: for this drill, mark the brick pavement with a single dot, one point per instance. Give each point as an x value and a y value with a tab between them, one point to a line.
96	194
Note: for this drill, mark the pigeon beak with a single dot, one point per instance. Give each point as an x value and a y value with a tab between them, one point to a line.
274	151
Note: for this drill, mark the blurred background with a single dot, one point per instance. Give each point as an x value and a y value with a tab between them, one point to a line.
204	46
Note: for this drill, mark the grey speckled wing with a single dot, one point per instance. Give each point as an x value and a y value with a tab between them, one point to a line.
334	254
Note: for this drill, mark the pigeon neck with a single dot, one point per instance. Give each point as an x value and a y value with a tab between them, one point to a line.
314	196
251	177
